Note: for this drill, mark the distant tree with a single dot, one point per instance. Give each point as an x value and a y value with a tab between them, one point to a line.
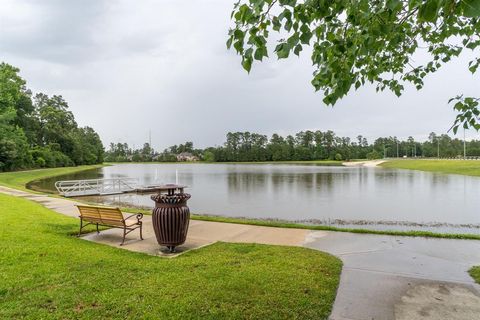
374	155
146	153
208	156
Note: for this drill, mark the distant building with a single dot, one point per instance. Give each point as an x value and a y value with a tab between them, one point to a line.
186	156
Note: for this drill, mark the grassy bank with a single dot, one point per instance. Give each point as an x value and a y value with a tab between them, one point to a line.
19	179
464	167
45	273
270	223
475	273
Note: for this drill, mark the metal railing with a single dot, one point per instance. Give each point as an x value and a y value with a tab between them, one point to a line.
72	188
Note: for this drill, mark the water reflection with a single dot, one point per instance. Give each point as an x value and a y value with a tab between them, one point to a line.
309	193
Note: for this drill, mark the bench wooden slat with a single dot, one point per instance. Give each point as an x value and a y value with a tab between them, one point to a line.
112	217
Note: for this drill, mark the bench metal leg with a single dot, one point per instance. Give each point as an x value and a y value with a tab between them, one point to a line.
81	226
141	227
124	234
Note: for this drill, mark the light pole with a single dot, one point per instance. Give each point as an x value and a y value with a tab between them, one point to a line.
397	148
464	146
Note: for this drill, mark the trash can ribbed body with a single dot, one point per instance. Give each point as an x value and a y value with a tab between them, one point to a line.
170	218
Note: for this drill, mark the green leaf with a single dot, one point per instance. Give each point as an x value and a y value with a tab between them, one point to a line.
471	8
247	64
305	37
276	24
260	53
239	34
238	45
412	4
282	50
394	5
429	10
298	49
229	42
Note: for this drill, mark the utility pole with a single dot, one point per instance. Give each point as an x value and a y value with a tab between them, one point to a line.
438	148
397	148
415	148
384	152
464	146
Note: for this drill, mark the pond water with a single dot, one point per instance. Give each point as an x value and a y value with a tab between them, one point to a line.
375	198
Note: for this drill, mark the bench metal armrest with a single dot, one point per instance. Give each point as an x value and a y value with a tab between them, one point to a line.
139	217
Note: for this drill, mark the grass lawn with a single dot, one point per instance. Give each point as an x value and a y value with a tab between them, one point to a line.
45	273
465	167
19	179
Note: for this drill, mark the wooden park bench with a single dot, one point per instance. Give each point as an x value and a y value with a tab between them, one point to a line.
110	217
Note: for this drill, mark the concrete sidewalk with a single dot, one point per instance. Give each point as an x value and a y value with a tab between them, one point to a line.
384	277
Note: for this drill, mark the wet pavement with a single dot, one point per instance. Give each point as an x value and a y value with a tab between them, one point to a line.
388	277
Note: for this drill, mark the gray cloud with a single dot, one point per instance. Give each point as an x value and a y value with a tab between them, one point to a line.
129	67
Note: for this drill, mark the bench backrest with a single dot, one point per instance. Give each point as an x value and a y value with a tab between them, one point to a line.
101	215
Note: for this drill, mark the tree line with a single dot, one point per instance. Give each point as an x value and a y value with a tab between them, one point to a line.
122	152
303	146
38	131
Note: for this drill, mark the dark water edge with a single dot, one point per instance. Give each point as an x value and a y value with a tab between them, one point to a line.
47	185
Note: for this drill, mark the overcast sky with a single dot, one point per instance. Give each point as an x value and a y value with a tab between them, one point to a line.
127	67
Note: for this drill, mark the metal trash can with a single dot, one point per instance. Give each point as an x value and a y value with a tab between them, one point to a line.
171	216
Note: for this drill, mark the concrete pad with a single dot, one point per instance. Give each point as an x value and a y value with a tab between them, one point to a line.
340	243
149	245
439	301
231	232
363	295
366	295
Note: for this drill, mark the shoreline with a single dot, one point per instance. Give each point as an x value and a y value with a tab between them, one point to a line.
364	163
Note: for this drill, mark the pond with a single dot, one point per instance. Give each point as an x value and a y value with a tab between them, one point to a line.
377	198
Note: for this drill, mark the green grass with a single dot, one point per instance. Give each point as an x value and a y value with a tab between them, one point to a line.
475	273
19	179
47	274
463	167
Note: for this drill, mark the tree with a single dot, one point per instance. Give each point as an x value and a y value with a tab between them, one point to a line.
40	134
14	148
363	41
56	122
